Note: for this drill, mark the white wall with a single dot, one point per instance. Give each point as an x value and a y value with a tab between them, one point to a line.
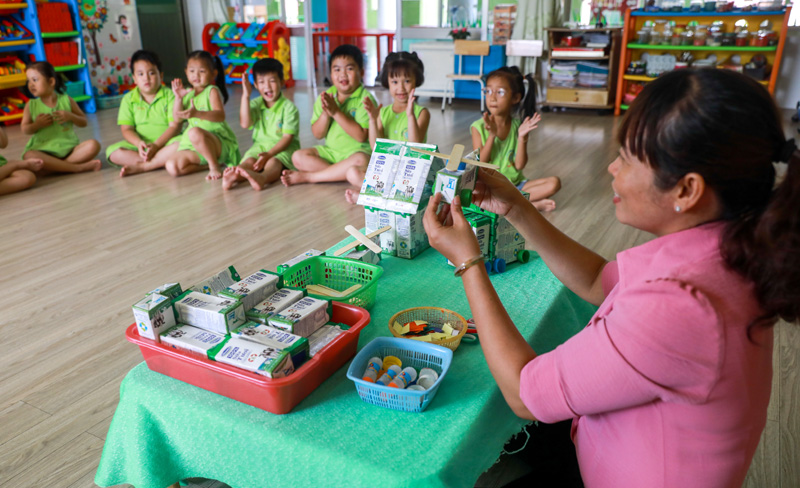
787	91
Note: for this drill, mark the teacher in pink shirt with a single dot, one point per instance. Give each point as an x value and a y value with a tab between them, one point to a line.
668	384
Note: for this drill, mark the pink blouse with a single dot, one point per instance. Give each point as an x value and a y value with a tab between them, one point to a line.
665	388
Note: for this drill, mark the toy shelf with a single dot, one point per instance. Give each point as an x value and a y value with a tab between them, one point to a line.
239	46
629	84
12	104
55	35
12	6
71	67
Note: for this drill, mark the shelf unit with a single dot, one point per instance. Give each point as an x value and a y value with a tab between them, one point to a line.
632	51
255	41
597	98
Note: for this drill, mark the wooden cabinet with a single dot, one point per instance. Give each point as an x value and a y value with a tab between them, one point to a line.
593	65
632	49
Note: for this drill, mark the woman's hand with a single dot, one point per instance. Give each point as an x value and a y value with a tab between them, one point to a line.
449	232
495	193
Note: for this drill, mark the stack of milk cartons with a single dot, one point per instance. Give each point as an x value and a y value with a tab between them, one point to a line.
396	188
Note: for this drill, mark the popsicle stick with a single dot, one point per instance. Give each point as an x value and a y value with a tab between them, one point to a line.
352	245
468	161
323	290
455	157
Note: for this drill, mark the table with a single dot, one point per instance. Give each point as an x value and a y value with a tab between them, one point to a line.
165	430
346	34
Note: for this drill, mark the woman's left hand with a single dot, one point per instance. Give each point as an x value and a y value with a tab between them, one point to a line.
449	232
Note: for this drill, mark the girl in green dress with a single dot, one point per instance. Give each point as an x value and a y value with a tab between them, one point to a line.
49	119
16	175
502	138
209	140
403	120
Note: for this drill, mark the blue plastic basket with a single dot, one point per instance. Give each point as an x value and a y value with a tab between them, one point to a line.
412	353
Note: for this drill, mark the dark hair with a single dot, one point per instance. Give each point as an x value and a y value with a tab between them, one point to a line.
213	62
267	65
147	56
403	63
527	104
726	127
46	69
348	51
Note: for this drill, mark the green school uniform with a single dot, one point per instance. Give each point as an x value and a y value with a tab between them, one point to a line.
395	126
338	144
269	125
3	161
149	120
504	152
57	139
230	155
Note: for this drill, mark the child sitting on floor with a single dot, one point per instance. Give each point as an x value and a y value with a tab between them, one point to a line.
146	119
339	117
49	119
16	175
275	122
503	138
209	140
403	120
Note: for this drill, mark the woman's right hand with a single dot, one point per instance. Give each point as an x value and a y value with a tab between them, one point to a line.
495	193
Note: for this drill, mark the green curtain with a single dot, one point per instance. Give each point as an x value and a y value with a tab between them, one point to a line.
533	16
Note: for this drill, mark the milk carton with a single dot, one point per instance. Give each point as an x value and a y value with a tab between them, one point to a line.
374	219
304	317
299	258
322	337
296	346
278	301
460	182
263	360
511	253
154	314
169	290
217	314
364	255
253	289
482	227
411	236
188	338
380	173
218	282
413	179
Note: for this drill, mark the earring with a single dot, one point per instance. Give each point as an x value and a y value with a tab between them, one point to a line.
677	208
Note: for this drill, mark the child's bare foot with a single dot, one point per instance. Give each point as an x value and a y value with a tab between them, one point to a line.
289	177
213	174
32	164
93	165
133	169
544	205
250	176
229	177
351	196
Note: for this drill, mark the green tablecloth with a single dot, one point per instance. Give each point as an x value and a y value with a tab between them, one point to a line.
165	430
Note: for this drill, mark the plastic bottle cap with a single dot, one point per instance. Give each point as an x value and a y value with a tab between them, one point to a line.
416	388
426	382
390	361
428	372
523	255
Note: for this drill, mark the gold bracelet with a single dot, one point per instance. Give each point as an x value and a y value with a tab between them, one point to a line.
468	264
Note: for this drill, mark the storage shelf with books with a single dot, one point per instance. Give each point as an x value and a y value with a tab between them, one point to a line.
582	67
751	42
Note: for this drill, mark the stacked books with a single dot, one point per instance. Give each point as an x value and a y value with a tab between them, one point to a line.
563	74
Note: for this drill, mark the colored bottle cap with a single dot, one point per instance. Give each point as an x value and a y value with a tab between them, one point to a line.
390	361
426	382
523	255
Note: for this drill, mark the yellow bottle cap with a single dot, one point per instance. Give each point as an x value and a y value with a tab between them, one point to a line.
390	361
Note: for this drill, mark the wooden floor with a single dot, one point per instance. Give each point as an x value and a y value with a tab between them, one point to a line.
77	251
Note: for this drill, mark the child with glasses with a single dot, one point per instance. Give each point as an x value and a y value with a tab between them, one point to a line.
502	138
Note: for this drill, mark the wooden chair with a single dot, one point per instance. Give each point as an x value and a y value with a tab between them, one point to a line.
466	48
528	49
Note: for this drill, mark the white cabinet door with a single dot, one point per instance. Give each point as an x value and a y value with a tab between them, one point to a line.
438	58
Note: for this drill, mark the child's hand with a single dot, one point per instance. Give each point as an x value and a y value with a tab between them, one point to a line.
489	123
44	120
329	105
147	151
247	87
60	116
372	110
189	112
261	161
528	125
410	105
178	89
449	232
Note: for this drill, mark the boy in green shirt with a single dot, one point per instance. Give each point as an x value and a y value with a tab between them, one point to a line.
145	116
275	122
339	117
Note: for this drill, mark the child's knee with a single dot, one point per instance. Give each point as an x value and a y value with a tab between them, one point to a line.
299	155
172	167
196	135
94	145
554	182
25	178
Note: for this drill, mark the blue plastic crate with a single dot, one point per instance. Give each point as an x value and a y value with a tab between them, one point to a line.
412	353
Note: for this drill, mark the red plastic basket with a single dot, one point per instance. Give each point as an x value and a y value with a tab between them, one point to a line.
278	396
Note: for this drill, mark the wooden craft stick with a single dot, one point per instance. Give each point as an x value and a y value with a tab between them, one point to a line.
352	245
468	161
323	290
455	157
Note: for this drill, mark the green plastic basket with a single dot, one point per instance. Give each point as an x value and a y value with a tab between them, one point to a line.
339	274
